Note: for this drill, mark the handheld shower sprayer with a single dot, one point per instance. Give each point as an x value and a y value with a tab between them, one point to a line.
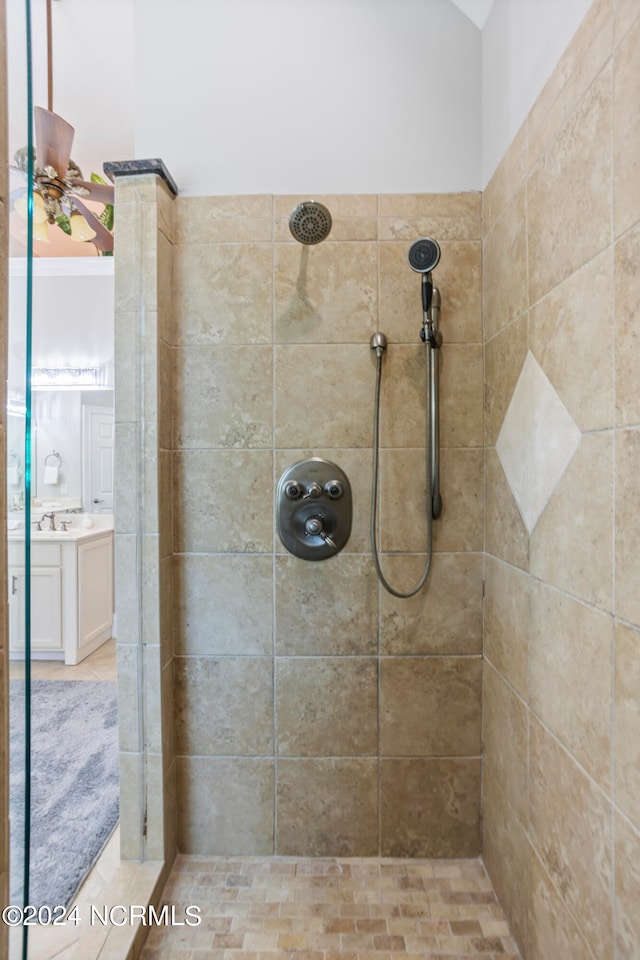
424	256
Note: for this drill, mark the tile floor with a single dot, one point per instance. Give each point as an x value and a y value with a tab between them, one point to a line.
360	909
100	665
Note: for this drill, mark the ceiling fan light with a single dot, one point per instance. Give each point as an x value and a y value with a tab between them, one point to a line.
41	231
80	229
39	209
39	212
22	207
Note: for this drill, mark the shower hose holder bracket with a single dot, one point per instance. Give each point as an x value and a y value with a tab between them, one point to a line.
431	336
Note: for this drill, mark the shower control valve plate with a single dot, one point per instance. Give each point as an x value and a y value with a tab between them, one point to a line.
313	508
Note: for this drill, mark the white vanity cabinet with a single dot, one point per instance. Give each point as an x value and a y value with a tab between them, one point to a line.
71	594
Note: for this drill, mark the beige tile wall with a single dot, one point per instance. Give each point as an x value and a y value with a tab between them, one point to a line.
314	713
561	834
4	630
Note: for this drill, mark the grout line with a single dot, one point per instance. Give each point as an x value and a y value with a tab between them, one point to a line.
330	656
378	585
612	348
274	533
303	758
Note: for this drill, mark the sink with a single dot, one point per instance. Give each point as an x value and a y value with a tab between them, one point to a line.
50	534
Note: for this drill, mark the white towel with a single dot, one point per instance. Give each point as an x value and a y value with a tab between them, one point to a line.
51	473
13	475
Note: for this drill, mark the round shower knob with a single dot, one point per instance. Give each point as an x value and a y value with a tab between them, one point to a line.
333	489
314	490
313	526
293	490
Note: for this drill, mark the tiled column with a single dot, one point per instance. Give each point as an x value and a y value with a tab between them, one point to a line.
143	344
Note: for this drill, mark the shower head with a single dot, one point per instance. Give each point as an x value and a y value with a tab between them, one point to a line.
424	255
310	222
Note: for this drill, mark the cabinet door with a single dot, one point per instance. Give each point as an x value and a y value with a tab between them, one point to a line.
16	608
46	612
95	590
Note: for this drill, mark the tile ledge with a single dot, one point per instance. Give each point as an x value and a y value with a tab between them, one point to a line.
128	168
111	882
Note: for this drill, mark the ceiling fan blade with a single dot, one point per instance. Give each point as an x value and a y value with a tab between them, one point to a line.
103	239
54	139
100	192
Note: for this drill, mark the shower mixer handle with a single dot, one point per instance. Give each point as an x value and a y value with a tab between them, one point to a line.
314	527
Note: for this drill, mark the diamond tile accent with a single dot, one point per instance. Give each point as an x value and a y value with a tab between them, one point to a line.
536	442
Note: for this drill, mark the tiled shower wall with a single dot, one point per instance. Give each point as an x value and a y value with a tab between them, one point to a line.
561	287
315	714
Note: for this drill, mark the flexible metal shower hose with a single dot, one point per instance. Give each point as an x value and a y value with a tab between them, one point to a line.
374	494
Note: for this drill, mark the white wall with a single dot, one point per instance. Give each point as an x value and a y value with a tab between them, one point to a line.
304	96
73	312
294	95
522	41
57	426
73	325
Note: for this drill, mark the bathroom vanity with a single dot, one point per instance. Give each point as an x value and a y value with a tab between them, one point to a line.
71	590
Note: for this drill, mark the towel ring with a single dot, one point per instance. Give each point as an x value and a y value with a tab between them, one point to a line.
56	458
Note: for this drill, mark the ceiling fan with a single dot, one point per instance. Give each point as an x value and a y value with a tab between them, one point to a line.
59	190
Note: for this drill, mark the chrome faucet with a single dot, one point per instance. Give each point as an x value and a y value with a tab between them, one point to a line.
51	517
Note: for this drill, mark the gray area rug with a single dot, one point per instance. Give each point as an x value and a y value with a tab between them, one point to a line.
74	784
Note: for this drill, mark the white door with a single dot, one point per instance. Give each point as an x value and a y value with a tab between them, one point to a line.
97	459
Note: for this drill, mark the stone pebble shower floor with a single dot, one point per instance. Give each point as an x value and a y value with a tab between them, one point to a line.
318	909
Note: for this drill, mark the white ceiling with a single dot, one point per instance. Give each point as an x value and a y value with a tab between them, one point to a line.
476	10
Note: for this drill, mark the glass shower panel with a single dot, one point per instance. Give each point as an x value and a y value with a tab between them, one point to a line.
18	449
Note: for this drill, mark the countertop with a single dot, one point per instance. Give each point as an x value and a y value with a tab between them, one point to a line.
101	523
